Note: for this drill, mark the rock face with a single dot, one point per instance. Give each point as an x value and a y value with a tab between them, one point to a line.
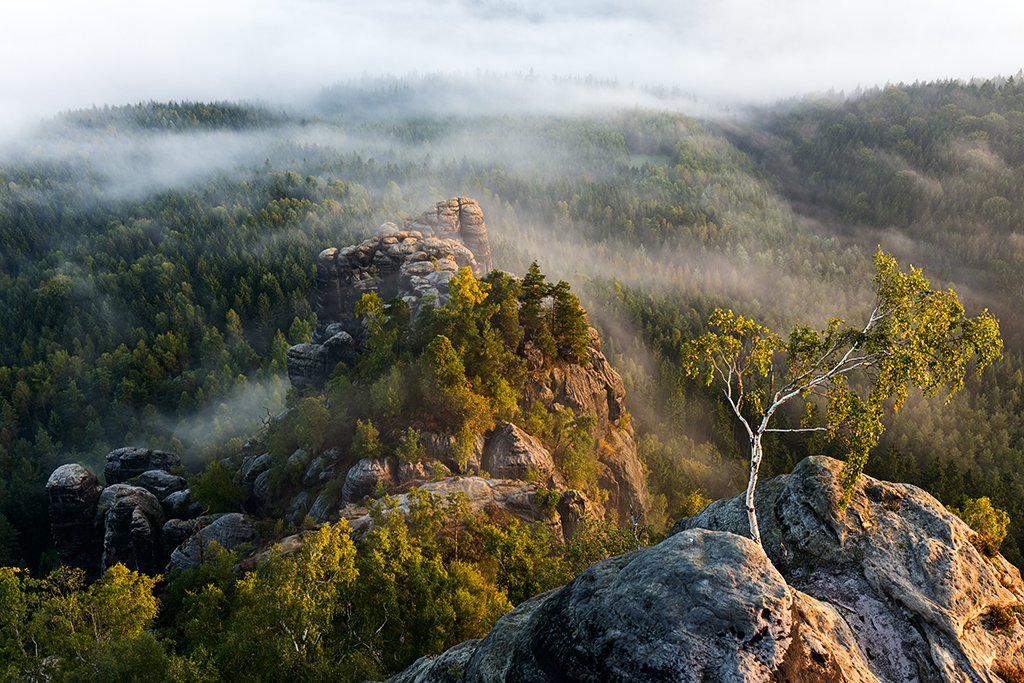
596	389
897	559
126	463
411	263
228	530
365	476
72	492
96	527
511	453
132	524
888	589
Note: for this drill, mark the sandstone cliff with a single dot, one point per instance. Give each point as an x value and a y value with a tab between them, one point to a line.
889	589
414	263
410	263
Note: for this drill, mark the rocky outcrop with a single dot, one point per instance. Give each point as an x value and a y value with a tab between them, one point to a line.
227	530
511	453
161	483
72	493
365	476
129	462
96	527
412	264
596	389
132	522
702	606
310	365
888	589
896	559
416	263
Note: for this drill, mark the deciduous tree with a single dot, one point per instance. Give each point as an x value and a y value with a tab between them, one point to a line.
914	337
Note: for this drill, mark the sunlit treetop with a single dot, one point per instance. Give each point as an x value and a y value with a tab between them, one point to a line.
914	337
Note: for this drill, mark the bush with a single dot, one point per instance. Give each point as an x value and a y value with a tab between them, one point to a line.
989	524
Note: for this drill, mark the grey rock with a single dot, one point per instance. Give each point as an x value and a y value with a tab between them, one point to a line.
363	478
261	498
161	483
131	531
412	472
320	510
896	568
444	668
574	508
176	531
311	365
125	463
229	531
252	467
72	493
179	505
701	606
433	247
297	508
511	453
442	447
312	474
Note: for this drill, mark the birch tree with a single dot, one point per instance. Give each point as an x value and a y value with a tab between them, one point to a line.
914	337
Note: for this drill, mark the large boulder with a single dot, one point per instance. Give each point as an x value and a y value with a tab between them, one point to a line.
131	530
129	462
365	476
894	564
309	365
887	589
161	483
511	453
72	493
702	606
228	530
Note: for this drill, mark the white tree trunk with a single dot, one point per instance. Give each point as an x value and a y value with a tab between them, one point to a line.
755	463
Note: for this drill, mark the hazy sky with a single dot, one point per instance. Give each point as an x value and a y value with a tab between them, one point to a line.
60	55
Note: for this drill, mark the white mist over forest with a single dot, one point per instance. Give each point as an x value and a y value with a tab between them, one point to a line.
63	55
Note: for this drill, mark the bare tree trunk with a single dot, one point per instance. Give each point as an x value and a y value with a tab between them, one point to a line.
755	463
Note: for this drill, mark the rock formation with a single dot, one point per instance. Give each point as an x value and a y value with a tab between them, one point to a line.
129	462
888	589
72	493
414	263
138	525
410	263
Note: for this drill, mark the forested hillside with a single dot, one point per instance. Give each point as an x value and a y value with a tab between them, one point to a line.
161	318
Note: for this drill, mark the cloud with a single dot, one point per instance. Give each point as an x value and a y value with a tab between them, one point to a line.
62	55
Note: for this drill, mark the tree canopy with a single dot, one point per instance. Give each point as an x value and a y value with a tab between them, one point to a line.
914	337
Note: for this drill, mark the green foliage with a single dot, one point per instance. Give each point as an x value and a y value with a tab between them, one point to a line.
284	610
914	337
409	448
366	443
988	522
596	540
57	625
693	503
547	500
569	326
215	489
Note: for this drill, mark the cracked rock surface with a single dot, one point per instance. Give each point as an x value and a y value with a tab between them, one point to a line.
887	589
